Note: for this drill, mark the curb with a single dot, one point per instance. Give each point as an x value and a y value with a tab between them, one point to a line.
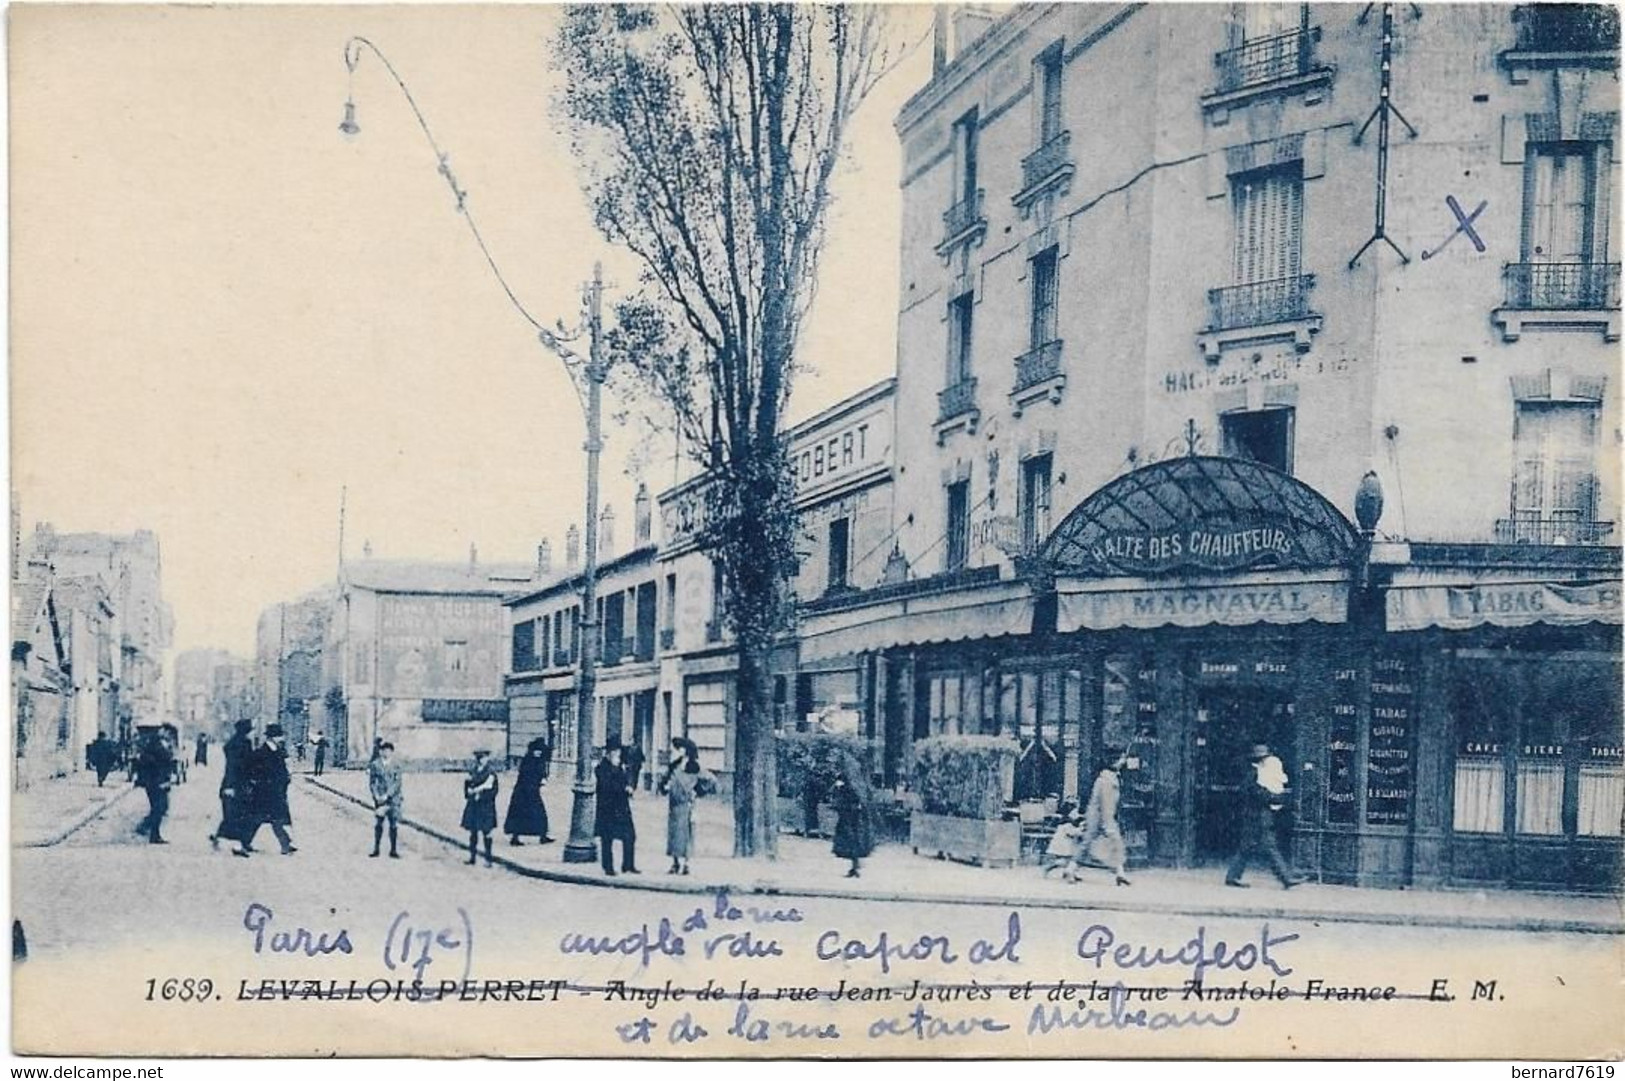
58	838
1549	925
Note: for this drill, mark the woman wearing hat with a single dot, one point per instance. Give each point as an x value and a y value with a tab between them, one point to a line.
480	805
683	783
527	815
1102	838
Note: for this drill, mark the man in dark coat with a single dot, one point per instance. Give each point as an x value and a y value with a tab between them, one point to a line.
527	814
268	793
319	741
103	757
234	785
154	773
614	817
202	756
1264	799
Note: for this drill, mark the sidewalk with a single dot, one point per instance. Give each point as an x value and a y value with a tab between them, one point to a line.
807	868
52	810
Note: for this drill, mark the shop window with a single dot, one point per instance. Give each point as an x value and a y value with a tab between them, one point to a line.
1540	797
1262	435
1602	801
1480	794
958	531
840	545
1035	501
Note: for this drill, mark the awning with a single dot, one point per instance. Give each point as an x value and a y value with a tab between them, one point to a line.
919	620
1503	604
1278	598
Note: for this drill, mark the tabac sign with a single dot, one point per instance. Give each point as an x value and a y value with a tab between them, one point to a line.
1200	515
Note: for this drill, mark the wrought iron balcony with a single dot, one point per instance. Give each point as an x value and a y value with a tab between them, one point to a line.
1567	28
956	400
1267	60
1046	161
1259	303
1566	286
1038	365
962	218
1560	529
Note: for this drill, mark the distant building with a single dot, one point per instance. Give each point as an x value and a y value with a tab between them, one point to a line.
210	690
41	688
414	653
288	663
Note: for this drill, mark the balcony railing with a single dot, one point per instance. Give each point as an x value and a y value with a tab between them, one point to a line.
1275	301
1047	160
1571	286
1038	365
1552	530
668	638
1267	60
1567	28
958	399
962	217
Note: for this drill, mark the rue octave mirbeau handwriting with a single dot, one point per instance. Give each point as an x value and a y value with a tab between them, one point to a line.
1209	980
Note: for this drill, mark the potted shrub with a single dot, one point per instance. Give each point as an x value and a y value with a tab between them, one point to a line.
963	783
807	765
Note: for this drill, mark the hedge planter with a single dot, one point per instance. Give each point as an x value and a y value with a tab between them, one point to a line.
793	816
984	842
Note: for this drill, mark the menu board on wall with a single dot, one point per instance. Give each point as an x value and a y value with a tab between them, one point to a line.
1389	773
1343	745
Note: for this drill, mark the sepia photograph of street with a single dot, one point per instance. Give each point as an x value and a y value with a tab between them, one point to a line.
1054	530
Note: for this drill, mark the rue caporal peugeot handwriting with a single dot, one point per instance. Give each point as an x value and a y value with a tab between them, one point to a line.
1194	979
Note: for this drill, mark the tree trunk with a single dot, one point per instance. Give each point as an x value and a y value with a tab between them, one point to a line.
755	783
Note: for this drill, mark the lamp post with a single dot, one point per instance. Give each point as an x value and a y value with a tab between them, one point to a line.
580	848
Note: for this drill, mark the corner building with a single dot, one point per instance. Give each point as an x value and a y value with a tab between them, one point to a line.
1257	382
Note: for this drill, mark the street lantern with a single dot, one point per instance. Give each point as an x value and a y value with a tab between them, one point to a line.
348	125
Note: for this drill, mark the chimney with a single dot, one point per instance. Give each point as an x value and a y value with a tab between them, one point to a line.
366	549
473	558
642	517
939	40
572	548
970	23
544	559
606	533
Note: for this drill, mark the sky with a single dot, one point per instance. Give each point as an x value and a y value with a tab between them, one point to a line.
224	312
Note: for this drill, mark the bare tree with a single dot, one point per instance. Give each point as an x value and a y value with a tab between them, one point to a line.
708	137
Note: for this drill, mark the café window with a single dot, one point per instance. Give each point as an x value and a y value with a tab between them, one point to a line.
958	531
1260	435
950	704
840	544
1035	501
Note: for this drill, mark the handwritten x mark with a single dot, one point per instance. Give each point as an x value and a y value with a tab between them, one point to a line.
1464	224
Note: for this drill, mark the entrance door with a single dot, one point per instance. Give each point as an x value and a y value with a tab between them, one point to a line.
1229	721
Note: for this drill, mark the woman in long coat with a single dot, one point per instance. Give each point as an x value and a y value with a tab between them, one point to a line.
1102	839
480	805
853	837
527	815
683	784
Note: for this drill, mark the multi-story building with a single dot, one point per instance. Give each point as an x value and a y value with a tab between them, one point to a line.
1254	386
42	705
288	663
415	654
547	638
842	458
130	568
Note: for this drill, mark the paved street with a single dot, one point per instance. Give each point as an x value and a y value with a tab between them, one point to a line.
106	912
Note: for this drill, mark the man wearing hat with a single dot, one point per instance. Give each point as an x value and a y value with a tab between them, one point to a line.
154	773
1265	793
614	818
480	804
268	793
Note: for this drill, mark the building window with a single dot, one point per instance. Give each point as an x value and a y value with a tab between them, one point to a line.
1276	44
1554	483
1565	233
719	603
958	536
670	622
456	656
965	158
1263	435
840	543
1268	224
961	312
1044	298
1035	501
524	645
1567	28
1050	69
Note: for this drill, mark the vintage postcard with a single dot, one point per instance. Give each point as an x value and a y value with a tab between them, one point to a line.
1048	530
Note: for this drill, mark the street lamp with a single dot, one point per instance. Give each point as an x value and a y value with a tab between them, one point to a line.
580	848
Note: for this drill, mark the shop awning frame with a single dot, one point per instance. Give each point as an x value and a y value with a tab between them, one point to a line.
987	611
